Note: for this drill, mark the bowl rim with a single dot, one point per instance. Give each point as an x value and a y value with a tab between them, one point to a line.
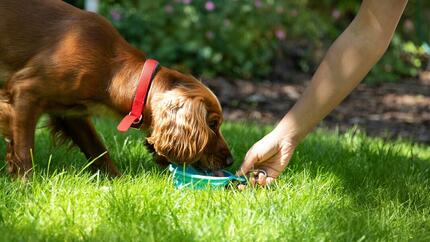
176	171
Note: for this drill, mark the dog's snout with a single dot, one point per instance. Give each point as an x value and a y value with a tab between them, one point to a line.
229	161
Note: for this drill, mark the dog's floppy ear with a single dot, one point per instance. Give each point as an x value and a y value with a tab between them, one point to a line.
179	129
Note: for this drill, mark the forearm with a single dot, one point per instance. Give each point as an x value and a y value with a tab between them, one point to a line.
346	63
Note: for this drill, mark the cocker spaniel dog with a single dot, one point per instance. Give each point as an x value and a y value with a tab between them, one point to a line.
58	60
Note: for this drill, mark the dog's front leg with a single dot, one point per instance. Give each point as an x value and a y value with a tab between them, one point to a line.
82	132
27	110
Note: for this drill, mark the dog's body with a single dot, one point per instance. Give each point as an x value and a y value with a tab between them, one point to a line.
60	60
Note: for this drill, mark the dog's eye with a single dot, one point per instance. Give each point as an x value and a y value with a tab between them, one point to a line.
213	124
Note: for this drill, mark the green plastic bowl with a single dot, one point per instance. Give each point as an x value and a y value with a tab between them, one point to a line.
189	177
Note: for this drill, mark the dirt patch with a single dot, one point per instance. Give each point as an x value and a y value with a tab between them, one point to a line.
389	110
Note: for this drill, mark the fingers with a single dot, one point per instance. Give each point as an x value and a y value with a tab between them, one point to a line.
262	178
259	177
265	180
250	159
259	152
265	173
267	158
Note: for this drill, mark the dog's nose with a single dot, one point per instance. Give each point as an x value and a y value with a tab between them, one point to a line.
229	161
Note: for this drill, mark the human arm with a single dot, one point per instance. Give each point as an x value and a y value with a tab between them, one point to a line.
346	63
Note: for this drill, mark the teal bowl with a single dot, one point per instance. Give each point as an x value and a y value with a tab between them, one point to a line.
189	177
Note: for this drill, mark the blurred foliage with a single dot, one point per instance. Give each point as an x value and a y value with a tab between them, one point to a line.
403	59
254	39
227	37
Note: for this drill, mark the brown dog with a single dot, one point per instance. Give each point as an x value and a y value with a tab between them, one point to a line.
62	61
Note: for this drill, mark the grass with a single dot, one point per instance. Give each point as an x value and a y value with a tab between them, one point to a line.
338	187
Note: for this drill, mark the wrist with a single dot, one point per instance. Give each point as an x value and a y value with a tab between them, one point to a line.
287	134
297	123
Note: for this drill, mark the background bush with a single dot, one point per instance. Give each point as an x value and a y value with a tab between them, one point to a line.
226	37
259	39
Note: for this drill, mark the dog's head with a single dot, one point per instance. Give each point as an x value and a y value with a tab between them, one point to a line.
185	123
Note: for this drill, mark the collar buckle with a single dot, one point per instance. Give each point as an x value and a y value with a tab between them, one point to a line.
132	119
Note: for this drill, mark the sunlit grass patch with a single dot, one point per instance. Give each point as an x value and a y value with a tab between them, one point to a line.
337	187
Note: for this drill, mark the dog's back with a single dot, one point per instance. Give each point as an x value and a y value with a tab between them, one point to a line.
51	28
26	27
53	44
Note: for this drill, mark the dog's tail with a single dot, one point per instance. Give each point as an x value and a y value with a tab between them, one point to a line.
6	114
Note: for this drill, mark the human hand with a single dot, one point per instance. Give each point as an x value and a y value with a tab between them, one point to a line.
267	158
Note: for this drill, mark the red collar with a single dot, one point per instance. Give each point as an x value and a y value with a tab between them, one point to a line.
134	118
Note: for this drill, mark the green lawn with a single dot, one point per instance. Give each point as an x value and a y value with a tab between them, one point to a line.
338	187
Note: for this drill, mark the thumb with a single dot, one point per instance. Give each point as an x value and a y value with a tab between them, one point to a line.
251	157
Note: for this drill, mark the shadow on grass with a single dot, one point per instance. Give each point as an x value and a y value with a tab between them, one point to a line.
133	231
372	172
